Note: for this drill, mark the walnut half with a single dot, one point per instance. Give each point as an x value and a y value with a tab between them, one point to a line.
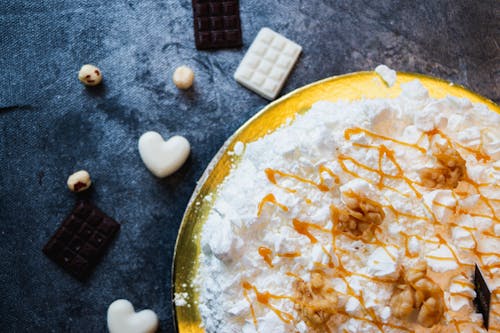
314	302
416	273
361	215
402	302
449	172
420	293
430	312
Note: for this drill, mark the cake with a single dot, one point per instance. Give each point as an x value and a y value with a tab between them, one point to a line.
362	216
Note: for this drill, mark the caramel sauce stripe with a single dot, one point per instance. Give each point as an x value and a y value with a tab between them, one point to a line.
352	167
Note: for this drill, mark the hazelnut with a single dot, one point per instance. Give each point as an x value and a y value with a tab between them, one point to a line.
90	75
79	181
183	77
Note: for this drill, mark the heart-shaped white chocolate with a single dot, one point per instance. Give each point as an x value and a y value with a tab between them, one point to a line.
161	157
122	318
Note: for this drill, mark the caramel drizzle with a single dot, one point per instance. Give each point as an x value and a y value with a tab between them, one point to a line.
358	130
442	241
264	299
381	184
407	246
484	199
400	174
271	199
383	151
303	227
342	272
460	294
480	156
267	254
321	185
464	283
252	310
289	255
458	323
495	302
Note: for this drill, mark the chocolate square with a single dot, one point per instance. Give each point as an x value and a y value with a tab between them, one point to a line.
204	37
66	255
231	22
107	226
203	23
216	24
81	240
97	240
94	219
232	35
65	236
201	9
215	8
80	263
55	247
76	244
89	251
86	231
230	8
73	223
218	36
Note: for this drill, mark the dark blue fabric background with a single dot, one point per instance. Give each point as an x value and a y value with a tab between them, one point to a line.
50	125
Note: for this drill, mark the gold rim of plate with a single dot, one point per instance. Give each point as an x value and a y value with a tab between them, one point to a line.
351	87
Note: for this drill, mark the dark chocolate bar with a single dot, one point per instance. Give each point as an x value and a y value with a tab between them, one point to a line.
216	24
81	240
483	296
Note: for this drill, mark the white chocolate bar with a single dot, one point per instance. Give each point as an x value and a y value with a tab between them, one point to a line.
267	63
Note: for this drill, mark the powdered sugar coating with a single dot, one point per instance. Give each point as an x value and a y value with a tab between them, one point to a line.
316	164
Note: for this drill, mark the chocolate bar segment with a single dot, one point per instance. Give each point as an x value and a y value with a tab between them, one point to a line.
216	24
483	296
81	240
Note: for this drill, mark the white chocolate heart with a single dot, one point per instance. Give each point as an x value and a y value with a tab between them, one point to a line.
161	157
122	318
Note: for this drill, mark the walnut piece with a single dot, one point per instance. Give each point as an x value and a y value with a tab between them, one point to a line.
317	281
402	302
361	215
315	304
416	273
431	311
419	293
449	172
